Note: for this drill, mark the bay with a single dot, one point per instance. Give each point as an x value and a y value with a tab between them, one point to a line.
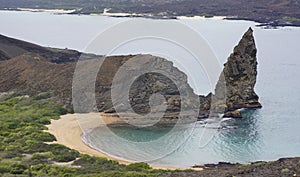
266	134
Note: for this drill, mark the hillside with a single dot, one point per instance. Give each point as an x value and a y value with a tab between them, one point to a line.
33	69
10	48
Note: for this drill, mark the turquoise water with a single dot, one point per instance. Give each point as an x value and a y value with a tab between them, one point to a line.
134	133
266	134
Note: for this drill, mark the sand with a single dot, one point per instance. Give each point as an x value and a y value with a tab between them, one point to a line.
68	131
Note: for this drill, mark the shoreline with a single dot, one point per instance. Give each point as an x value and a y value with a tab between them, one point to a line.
68	132
258	22
57	11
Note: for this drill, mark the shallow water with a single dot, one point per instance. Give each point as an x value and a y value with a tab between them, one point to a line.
266	134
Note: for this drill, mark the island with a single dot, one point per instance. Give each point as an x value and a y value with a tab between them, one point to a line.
36	89
267	13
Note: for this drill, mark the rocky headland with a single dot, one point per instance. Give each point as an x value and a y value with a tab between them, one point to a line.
236	84
32	69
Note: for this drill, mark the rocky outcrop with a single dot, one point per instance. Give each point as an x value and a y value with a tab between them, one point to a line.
36	69
169	83
235	88
33	74
233	114
240	74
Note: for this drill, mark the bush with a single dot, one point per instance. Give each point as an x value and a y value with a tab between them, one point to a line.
44	121
39	158
138	166
43	136
42	96
64	157
18	168
60	110
63	153
4	167
85	160
32	146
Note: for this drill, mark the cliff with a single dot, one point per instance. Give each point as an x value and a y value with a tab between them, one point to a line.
235	88
26	67
240	74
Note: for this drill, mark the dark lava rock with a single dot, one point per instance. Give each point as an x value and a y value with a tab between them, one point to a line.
239	76
286	167
233	114
235	88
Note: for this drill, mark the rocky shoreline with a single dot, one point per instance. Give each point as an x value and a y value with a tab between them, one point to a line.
269	14
284	167
265	22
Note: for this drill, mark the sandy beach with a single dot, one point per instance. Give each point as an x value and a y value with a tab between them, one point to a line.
68	131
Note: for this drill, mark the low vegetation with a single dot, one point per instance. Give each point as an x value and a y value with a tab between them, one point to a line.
292	20
23	151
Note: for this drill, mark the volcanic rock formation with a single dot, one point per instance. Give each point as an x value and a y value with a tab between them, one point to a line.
240	74
235	88
34	69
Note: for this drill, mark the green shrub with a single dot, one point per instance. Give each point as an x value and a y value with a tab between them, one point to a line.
43	136
85	160
4	167
39	158
42	96
18	168
63	153
44	121
138	166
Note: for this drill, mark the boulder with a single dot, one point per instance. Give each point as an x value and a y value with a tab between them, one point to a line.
234	114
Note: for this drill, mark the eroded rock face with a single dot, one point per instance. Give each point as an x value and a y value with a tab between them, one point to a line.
235	88
239	75
168	81
34	71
